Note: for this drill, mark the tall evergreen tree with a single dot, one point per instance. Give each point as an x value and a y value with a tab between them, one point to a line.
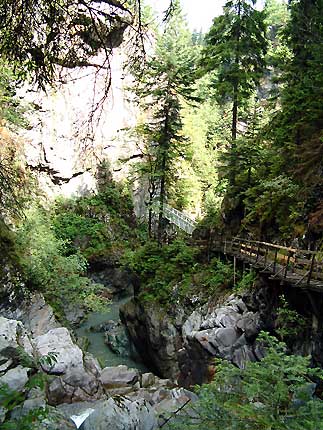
297	129
163	85
235	50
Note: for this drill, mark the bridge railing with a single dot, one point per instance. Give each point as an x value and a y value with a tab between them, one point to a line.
297	265
181	220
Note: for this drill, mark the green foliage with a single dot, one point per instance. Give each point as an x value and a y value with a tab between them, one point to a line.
246	281
163	85
98	225
162	269
46	266
235	47
275	393
11	108
172	273
271	202
218	274
290	325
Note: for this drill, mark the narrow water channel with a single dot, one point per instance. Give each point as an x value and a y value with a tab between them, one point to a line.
97	346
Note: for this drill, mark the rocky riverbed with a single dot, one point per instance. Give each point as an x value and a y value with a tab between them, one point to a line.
78	391
182	342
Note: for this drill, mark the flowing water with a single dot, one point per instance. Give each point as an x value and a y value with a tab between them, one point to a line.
97	347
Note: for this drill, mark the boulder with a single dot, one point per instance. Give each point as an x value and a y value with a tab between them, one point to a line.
74	314
14	341
155	335
77	375
172	402
79	411
117	377
35	314
147	380
15	378
117	340
250	324
122	414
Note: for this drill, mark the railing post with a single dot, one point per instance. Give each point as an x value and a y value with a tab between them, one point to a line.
287	264
250	251
311	269
266	255
275	260
258	250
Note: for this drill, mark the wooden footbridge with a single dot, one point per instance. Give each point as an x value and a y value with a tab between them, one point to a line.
174	216
298	267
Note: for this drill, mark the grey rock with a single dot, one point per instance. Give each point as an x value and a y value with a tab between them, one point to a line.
203	337
74	314
3	412
225	317
154	335
36	315
79	411
15	378
6	365
242	355
122	414
13	340
249	323
118	341
77	379
223	337
217	341
120	376
172	402
147	380
192	324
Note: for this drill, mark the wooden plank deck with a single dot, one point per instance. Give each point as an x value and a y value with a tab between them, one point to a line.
297	267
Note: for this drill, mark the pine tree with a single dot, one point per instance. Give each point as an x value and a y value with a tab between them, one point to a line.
297	128
164	84
235	50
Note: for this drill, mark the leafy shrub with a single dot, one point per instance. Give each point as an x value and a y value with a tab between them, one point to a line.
162	269
290	325
172	272
275	393
97	225
219	274
246	281
47	268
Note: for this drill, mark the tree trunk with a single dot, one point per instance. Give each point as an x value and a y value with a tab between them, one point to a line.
162	198
235	105
163	165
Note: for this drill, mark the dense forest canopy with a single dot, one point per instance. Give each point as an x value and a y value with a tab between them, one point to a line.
229	131
258	69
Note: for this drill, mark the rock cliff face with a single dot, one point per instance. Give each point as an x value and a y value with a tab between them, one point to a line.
182	346
77	389
77	125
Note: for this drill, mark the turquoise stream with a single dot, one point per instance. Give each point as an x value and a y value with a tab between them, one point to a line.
97	347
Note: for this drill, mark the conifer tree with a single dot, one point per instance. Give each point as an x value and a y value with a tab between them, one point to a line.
235	50
297	128
163	85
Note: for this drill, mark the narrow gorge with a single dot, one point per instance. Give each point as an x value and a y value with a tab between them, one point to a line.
161	215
